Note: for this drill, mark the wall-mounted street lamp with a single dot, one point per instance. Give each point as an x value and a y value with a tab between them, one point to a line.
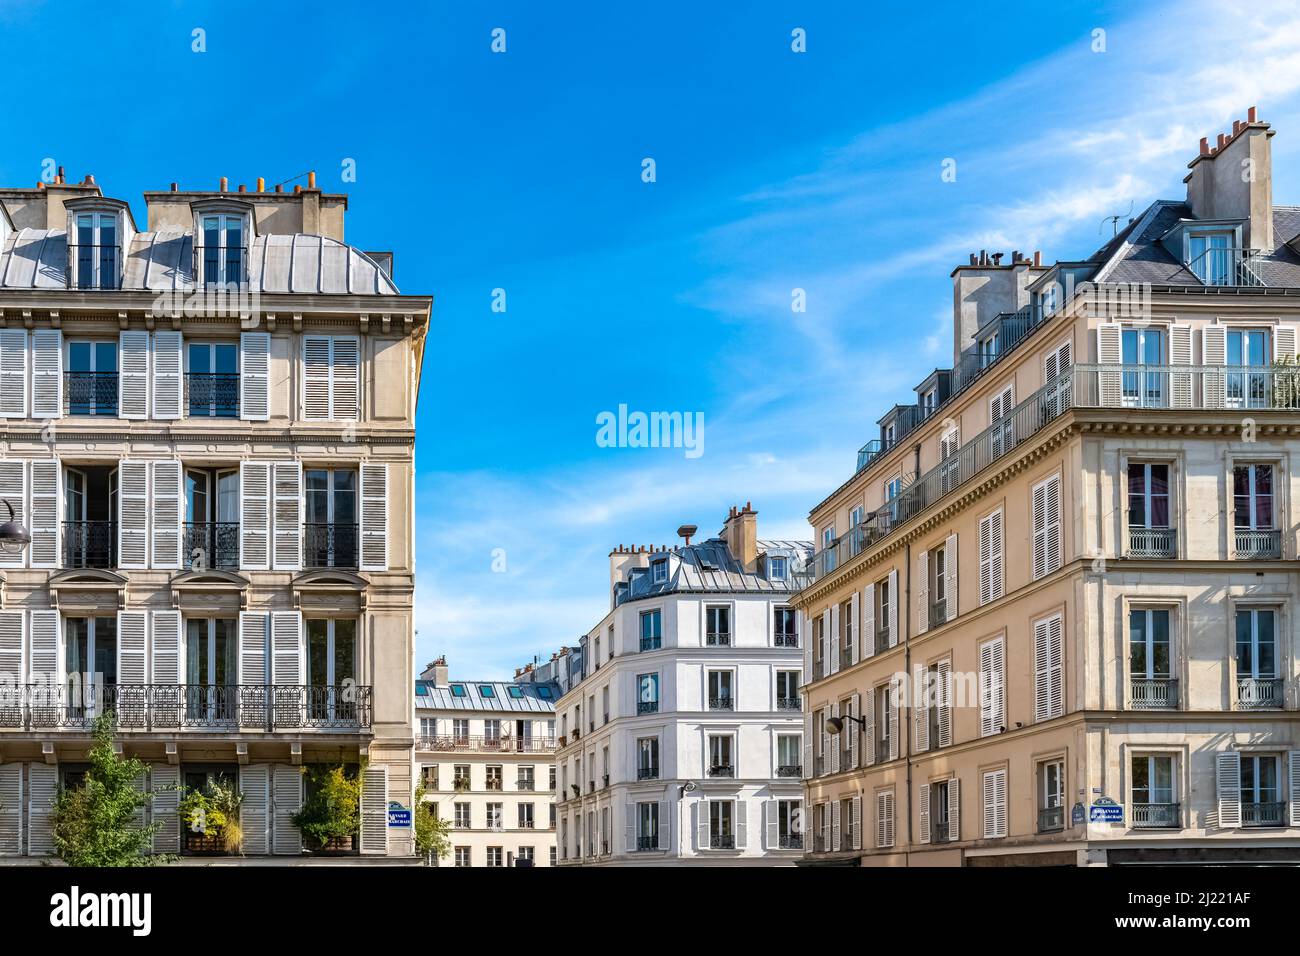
14	535
835	725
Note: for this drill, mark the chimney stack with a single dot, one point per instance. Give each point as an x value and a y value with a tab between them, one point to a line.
436	672
1234	180
741	534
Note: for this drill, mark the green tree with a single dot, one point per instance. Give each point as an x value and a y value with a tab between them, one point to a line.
333	806
431	840
97	823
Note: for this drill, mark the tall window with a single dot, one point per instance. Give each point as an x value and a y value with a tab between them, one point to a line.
90	662
720	690
1209	257
1139	347
526	816
1149	656
223	250
1148	495
785	627
210	669
776	567
1252	496
1257	663
98	256
91	380
330	518
721	822
647	826
212	379
461	815
1051	795
717	626
1154	803
659	571
651	630
462	856
647	693
787	690
647	758
787	755
789	824
721	759
1261	794
1248	360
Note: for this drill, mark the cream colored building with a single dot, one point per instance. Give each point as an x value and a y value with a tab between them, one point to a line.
1076	557
207	421
486	754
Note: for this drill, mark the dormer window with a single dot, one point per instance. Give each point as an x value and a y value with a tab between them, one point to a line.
1210	257
928	403
96	251
776	568
660	572
223	249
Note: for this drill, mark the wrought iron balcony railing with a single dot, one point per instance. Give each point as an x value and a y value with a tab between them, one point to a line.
717	639
882	641
647	773
722	703
1153	693
789	770
882	750
647	843
95	266
1157	816
329	545
939	612
90	393
211	544
212	394
651	643
1259	693
453	743
722	770
1270	814
786	640
1152	542
524	784
150	707
89	544
939	831
722	841
647	707
1256	544
789	703
1051	819
789	841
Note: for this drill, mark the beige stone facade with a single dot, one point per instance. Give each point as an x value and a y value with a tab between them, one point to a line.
219	487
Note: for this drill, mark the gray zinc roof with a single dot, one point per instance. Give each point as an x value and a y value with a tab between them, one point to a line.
429	696
709	566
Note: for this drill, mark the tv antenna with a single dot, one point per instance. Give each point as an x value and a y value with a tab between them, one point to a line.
1114	221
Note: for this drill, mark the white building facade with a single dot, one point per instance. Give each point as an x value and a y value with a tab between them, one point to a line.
682	741
486	756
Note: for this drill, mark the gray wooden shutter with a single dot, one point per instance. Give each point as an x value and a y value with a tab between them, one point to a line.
943	699
869	729
833	756
47	374
253	626
13	374
1228	779
13	632
288	515
287	795
742	823
855	744
45	501
835	641
835	825
856	805
165	787
374	517
254	376
663	825
42	784
807	745
44	660
921	709
701	811
286	648
374	811
133	515
254	516
895	702
168	365
254	813
167	514
132	642
869	620
133	375
13	489
1284	343
11	809
345	378
165	647
1214	351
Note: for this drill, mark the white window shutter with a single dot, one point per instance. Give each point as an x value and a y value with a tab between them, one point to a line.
11	809
771	828
869	621
47	374
1293	784
1180	353
255	811
1284	344
374	517
133	375
835	825
254	376
1110	392
1045	501
13	374
991	567
923	801
954	809
857	822
893	608
991	699
43	784
1228	777
166	779
287	482
1214	351
885	809
1055	667
44	657
855	633
826	826
168	364
13	633
374	811
287	664
1053	523
895	697
742	823
1041	666
808	766
165	647
254	516
316	378
287	797
855	742
869	729
345	378
835	638
253	626
995	804
825	643
133	515
950	577
663	826
132	641
944	702
923	592
13	489
167	514
833	757
46	500
920	709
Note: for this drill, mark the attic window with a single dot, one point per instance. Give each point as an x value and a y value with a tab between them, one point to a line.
96	251
544	692
223	250
660	571
516	692
1212	258
707	563
776	568
485	690
457	690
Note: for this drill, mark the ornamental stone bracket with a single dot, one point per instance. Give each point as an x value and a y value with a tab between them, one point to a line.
87	590
326	590
209	590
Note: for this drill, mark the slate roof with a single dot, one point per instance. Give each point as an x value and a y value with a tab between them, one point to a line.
429	696
708	566
163	261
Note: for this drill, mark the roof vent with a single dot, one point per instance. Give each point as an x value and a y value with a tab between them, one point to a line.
686	531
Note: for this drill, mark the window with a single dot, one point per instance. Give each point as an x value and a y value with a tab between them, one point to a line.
212	379
789	824
457	690
525	816
552	777
847	838
460	730
330	521
1253	512
940	811
222	252
1150	660
461	814
720	690
828	536
516	692
1257	664
848	624
1143	347
552	809
995	803
495	819
331	668
90	383
429	774
1261	796
1046	508
544	692
992	681
855	516
721	818
485	690
491	730
1049	679
496	856
717	630
647	758
647	693
1051	796
890	435
1001	422
991	568
97	255
883	717
647	826
659	571
1209	255
884	620
893	488
776	567
525	854
494	776
787	690
936	573
927	403
1248	350
428	726
720	755
651	630
1155	804
552	848
210	646
785	627
788	758
1148	510
885	818
988	350
462	856
90	662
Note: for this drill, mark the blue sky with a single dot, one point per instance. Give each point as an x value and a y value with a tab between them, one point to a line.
775	170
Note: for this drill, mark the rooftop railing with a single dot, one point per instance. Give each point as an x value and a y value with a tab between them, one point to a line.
1227	267
453	743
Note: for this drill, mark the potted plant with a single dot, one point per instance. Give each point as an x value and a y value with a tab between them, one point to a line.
210	815
330	816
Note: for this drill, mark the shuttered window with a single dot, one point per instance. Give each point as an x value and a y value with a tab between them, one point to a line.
1048	675
13	373
991	689
1046	505
254	376
331	377
995	804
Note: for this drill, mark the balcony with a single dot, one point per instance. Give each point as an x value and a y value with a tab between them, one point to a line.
722	770
222	266
198	707
329	546
722	841
939	612
1227	267
95	266
789	703
525	784
717	639
1051	819
90	393
882	640
789	841
1272	814
1157	816
789	770
1254	545
721	703
460	785
494	783
1259	693
211	544
882	751
1152	542
647	843
212	395
818	669
786	640
939	831
1153	693
868	452
647	773
647	707
89	544
651	643
464	743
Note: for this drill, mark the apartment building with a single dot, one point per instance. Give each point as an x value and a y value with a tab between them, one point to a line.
681	740
1053	616
486	754
208	426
